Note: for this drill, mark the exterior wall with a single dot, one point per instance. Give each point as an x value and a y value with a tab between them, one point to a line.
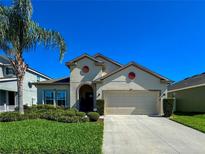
30	91
120	81
78	78
41	89
109	67
189	100
9	86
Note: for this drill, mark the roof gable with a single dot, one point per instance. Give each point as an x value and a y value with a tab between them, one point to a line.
107	59
137	66
81	57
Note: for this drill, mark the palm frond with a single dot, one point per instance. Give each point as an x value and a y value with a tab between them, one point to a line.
19	33
23	9
48	38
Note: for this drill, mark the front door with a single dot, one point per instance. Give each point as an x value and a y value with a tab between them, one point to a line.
86	98
89	101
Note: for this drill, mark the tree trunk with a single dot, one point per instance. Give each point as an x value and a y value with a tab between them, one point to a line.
20	69
20	95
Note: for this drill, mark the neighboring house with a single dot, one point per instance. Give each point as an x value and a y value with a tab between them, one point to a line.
126	89
8	85
189	94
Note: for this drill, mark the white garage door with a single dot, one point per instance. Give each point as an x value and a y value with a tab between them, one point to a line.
131	102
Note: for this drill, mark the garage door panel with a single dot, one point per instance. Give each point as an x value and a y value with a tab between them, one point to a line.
129	102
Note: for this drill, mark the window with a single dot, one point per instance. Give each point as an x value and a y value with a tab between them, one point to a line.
9	71
55	97
131	75
49	97
60	97
85	69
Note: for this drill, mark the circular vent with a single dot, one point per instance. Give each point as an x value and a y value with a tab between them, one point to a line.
131	75
85	69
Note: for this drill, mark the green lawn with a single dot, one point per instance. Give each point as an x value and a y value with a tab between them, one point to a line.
196	121
42	136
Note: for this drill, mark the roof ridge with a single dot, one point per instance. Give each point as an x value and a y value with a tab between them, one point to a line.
107	58
190	77
82	56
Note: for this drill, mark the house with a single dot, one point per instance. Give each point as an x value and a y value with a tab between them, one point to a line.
126	89
8	85
189	94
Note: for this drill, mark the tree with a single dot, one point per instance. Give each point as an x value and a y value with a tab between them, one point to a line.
19	33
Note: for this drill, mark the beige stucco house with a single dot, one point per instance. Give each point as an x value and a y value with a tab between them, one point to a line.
126	89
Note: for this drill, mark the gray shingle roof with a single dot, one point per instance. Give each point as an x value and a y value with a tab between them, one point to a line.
188	82
65	80
6	61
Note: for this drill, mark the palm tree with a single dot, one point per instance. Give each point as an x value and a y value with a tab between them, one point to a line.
19	33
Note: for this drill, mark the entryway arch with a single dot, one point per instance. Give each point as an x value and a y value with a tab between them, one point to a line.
86	98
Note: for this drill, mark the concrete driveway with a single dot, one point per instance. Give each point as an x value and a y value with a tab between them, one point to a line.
142	134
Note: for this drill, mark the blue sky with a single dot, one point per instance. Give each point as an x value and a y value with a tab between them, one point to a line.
166	37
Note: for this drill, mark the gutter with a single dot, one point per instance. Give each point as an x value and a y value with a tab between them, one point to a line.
8	79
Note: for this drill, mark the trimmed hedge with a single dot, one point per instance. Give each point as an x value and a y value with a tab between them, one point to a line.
10	116
46	112
39	107
100	106
93	116
168	106
62	116
81	114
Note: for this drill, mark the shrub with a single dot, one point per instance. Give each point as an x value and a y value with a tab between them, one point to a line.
168	105
84	119
25	107
73	109
93	116
31	115
69	119
46	106
100	106
50	115
81	114
46	112
69	113
11	116
34	107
